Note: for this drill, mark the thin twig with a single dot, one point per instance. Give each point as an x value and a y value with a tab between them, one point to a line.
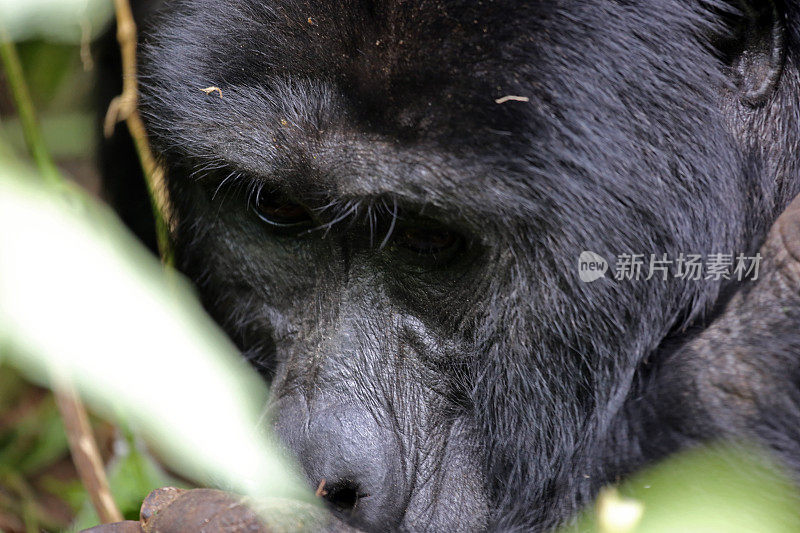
511	98
25	110
125	108
84	452
86	45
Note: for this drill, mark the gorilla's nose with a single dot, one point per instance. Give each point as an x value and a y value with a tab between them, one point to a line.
348	456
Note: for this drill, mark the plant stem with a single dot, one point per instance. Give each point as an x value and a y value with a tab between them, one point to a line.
22	98
84	451
125	107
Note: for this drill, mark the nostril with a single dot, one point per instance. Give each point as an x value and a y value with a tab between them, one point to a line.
343	496
351	459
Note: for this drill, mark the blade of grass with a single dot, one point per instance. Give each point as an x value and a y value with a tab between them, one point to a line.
27	114
83	446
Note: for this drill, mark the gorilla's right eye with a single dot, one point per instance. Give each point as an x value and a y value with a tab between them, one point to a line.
427	241
280	212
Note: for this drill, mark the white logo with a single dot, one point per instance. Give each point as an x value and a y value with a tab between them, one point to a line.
591	267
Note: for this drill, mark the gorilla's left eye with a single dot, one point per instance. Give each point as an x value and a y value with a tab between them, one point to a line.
428	241
280	212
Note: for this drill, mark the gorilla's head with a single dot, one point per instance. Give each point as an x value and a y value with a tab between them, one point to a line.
384	204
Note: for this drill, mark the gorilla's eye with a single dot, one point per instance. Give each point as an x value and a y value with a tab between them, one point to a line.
280	212
428	240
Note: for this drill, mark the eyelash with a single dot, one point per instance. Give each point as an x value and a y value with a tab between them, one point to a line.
376	211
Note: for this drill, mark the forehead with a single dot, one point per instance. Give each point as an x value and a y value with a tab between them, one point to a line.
414	69
362	84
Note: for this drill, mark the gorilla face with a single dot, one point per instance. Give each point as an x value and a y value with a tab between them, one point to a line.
395	245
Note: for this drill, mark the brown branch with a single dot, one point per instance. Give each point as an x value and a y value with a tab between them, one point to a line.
84	452
125	108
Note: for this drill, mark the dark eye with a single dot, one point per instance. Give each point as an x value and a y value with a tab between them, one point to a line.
428	241
280	212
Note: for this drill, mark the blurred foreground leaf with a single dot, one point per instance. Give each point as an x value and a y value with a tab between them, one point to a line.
66	135
720	489
59	20
80	297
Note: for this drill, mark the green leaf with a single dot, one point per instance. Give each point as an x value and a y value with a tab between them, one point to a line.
79	297
719	489
47	66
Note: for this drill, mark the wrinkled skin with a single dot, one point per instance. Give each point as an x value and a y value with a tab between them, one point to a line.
772	302
433	355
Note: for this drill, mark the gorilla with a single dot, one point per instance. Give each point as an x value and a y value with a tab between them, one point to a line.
384	204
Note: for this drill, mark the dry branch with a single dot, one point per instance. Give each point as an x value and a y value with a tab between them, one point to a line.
85	454
125	108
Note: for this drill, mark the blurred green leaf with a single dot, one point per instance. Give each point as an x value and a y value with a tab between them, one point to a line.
66	135
58	20
720	489
36	440
80	297
47	66
10	385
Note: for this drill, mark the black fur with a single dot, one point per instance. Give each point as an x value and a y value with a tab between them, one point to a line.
492	389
